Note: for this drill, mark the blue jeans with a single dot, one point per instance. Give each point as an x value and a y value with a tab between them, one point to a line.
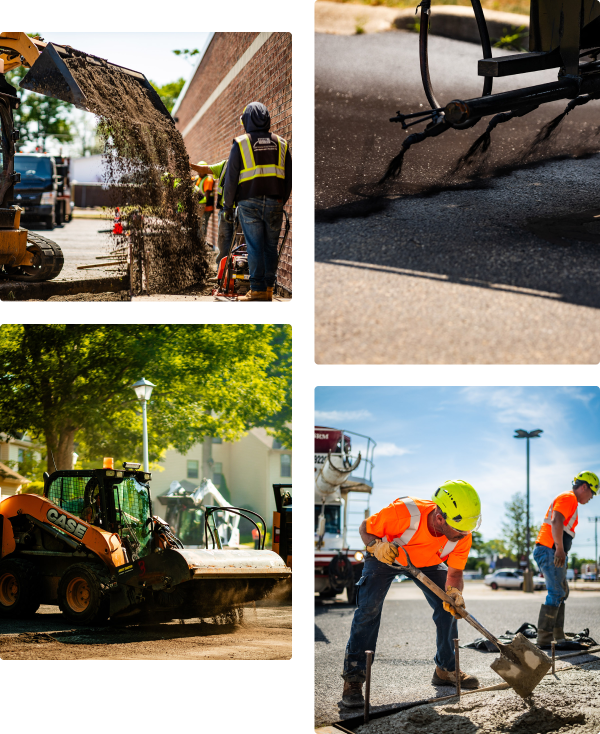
373	586
261	219
556	578
224	236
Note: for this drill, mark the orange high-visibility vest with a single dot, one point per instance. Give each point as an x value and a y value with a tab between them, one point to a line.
566	503
406	519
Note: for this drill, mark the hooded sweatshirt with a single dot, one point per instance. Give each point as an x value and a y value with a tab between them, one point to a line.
257	124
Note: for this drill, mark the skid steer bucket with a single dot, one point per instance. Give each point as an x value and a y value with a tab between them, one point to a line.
72	76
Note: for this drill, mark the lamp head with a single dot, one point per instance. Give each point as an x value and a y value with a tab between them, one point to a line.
143	389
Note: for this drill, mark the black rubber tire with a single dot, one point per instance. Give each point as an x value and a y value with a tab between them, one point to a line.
96	608
520	587
50	222
494	586
26	577
48	263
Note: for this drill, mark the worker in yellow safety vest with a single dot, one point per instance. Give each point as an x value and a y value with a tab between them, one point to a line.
259	180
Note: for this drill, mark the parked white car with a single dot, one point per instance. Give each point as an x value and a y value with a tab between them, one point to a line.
507	579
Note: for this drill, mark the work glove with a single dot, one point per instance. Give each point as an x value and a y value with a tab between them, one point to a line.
458	601
228	215
559	558
385	552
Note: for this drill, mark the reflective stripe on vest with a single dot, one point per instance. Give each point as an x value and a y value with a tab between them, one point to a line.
568	528
448	548
415	519
221	182
251	170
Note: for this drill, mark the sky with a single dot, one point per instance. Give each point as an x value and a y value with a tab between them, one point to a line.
427	435
149	53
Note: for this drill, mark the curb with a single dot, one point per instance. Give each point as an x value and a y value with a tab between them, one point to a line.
450	21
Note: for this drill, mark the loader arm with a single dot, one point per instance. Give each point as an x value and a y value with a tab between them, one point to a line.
17	49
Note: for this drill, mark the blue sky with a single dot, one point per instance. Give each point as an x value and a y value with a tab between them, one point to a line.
426	435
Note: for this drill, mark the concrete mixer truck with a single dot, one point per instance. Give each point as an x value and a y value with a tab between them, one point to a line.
343	485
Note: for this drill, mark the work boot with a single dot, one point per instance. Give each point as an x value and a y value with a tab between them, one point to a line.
559	624
448	678
352	696
254	296
546	624
269	293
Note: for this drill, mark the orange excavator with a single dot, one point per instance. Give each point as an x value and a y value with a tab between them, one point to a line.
92	546
52	71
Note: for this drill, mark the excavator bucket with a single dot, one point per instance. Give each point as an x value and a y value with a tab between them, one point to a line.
65	73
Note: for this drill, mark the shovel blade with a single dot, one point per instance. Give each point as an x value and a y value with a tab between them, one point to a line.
528	666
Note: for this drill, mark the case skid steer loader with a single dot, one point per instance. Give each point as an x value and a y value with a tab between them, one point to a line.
92	546
26	256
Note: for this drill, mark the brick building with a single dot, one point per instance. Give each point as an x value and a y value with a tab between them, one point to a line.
235	69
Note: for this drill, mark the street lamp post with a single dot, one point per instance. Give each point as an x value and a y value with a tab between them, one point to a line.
595	521
143	390
528	576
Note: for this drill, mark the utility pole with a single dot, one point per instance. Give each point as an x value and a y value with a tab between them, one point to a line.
528	575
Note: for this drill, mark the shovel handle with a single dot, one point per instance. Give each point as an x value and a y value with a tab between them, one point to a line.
417	574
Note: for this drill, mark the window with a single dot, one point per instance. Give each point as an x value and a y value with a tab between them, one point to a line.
217	440
285	465
277	444
192	469
217	473
333	519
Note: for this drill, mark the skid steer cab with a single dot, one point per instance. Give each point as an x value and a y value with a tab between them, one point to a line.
92	546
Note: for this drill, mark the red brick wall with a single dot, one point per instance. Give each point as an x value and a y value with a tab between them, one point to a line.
266	78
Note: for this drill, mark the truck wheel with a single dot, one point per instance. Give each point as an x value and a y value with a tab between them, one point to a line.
82	595
47	263
49	222
494	586
19	589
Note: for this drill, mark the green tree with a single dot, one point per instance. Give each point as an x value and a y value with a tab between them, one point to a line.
187	53
281	368
72	383
169	92
514	529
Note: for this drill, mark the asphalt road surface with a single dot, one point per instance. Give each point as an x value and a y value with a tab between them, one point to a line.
496	263
406	647
82	244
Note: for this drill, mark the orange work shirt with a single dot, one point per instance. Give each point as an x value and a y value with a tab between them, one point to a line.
566	503
406	519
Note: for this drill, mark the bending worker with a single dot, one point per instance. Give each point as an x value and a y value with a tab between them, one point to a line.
259	180
204	190
433	532
552	545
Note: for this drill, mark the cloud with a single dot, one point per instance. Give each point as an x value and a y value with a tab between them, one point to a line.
390	449
342	416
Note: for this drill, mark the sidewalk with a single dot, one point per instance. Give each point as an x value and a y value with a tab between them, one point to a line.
451	21
206	299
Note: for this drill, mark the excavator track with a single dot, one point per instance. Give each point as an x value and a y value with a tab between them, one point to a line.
47	264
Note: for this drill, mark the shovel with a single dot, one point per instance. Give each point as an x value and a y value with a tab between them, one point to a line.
522	664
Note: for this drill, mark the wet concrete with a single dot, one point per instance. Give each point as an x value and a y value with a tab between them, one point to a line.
447	268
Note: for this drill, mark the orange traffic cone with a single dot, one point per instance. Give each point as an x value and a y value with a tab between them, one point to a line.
117	226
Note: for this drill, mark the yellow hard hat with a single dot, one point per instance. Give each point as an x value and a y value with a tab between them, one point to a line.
460	505
202	163
589	478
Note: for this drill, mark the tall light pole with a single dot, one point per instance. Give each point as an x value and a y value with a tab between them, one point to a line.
143	390
595	521
528	576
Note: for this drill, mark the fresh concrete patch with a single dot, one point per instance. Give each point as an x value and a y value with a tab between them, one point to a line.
451	21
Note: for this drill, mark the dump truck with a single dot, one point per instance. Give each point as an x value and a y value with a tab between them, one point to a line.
54	71
339	488
92	546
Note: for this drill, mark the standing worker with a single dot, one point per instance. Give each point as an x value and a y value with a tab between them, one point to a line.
225	231
259	180
432	531
204	190
550	553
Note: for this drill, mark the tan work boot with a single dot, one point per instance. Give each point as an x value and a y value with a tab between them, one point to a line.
448	678
269	293
254	296
352	696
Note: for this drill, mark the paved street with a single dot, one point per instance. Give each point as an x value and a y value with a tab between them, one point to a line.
81	244
404	661
465	268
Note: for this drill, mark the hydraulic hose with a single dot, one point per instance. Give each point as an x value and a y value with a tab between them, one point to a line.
424	54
